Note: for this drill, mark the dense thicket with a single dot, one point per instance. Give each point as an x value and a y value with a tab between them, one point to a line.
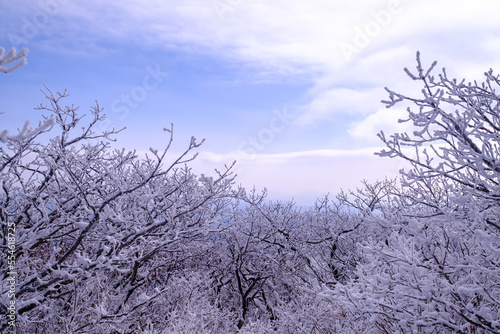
108	242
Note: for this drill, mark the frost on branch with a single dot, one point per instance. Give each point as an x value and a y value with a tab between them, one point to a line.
11	57
27	131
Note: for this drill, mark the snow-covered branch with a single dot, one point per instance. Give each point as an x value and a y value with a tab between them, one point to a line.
11	57
27	131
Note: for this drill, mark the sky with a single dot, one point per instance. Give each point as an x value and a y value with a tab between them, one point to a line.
291	89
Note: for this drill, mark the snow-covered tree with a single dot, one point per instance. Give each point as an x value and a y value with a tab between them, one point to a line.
438	268
457	132
99	233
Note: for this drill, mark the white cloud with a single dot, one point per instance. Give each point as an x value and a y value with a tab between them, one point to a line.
340	100
384	119
285	38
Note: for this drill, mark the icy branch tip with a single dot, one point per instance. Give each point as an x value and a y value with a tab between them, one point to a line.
10	57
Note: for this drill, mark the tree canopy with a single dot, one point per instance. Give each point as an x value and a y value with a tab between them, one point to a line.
97	240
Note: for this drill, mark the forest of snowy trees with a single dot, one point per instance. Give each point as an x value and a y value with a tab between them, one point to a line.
96	240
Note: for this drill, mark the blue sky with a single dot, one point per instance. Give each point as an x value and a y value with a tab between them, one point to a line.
289	89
